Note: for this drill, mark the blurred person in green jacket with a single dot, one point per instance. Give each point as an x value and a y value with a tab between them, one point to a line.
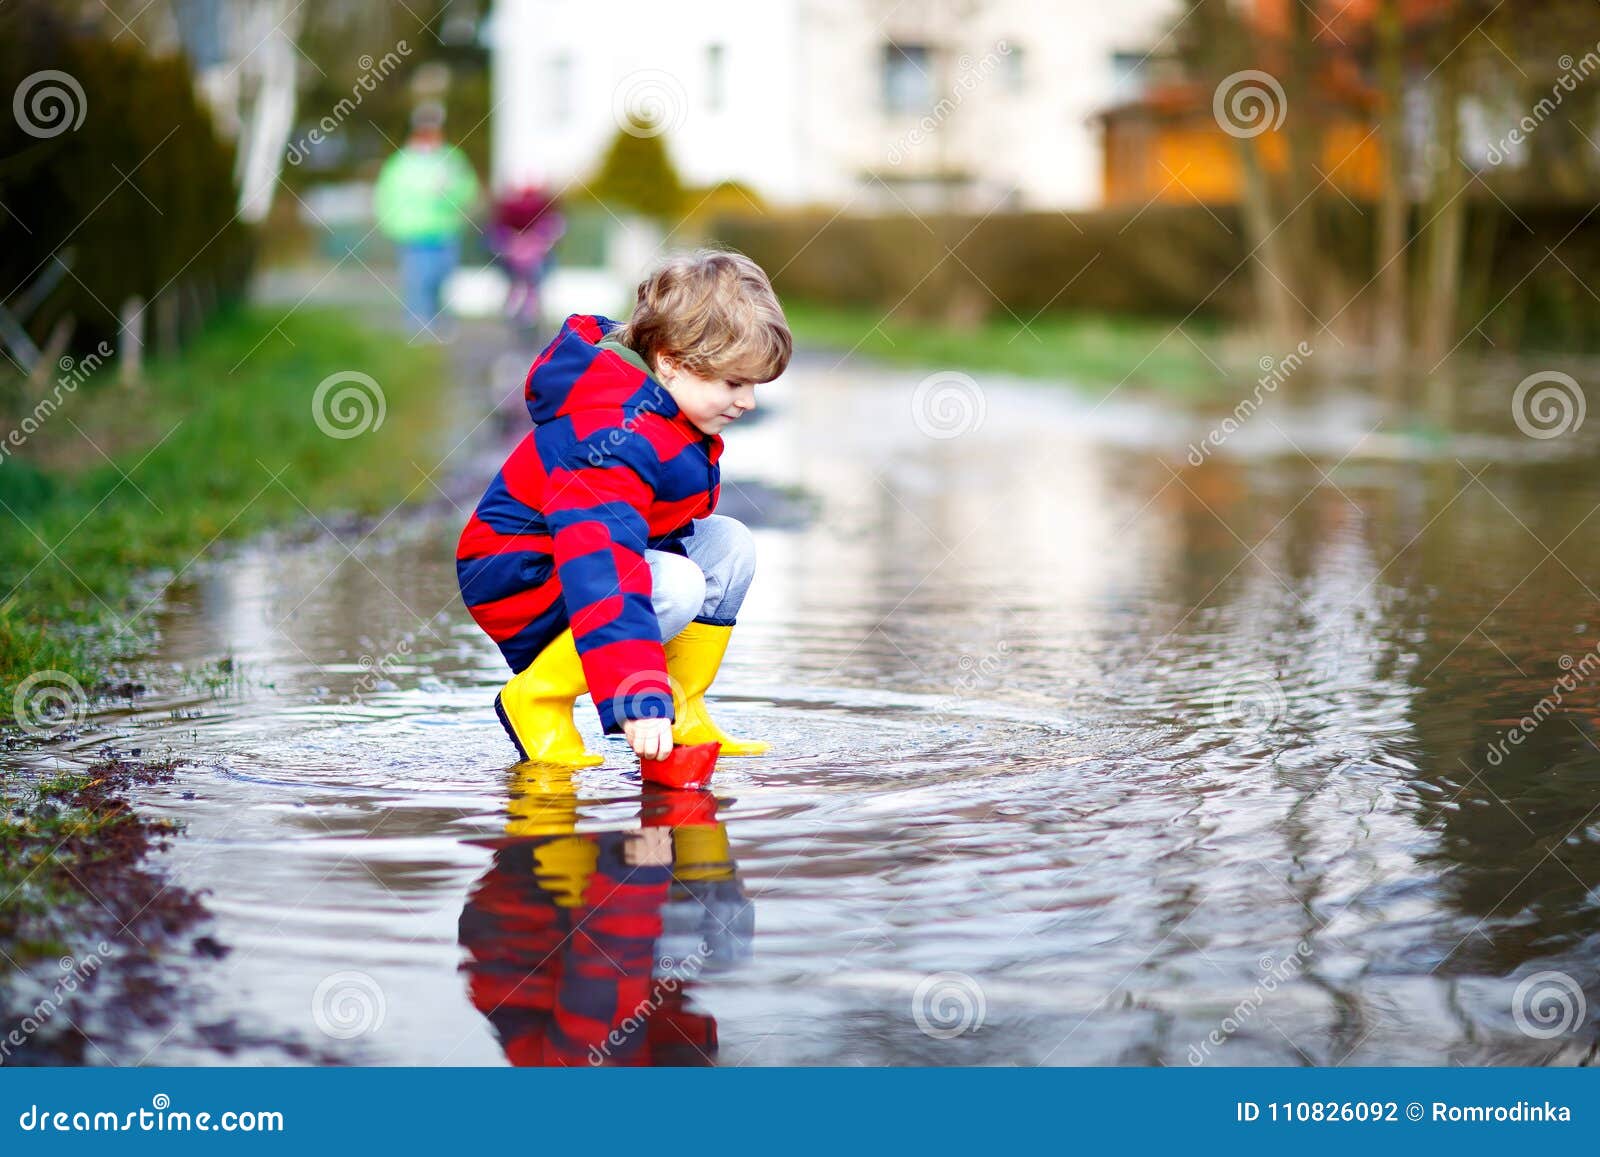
424	196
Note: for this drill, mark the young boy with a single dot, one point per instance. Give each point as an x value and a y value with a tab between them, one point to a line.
594	559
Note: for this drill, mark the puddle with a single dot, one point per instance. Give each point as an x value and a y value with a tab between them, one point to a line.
1078	751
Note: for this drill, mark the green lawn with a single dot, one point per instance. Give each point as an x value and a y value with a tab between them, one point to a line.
218	442
1086	350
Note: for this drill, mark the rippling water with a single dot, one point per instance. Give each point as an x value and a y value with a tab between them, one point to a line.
1082	755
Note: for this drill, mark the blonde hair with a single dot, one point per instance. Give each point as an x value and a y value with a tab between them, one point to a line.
714	312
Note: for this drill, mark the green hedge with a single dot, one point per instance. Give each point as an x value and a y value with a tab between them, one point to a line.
1171	261
1163	261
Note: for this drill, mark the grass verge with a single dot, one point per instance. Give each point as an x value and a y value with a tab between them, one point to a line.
262	420
221	441
1089	350
70	837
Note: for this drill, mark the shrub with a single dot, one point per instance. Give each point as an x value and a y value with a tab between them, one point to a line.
1170	260
141	191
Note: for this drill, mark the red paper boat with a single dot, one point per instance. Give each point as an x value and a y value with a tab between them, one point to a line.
688	765
678	808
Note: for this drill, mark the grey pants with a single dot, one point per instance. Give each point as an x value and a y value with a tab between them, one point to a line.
710	584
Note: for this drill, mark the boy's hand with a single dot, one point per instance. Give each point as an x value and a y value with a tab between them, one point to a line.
649	738
650	848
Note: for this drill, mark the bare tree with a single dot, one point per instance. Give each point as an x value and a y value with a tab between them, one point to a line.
1393	207
1221	47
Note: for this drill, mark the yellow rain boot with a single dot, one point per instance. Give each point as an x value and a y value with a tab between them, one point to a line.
543	801
701	852
535	707
562	867
693	658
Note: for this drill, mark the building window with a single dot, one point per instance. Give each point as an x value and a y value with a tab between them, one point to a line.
907	78
559	93
1129	76
716	79
1013	70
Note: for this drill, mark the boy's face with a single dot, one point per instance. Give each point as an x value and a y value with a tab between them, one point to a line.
709	403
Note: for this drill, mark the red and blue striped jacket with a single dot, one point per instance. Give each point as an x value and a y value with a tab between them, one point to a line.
569	979
612	467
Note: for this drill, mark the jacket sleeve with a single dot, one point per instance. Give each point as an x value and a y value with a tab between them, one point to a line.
463	190
599	532
384	193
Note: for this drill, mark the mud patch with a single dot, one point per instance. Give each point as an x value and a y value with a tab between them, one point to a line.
83	911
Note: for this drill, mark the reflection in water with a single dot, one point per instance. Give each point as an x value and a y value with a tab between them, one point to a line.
584	946
1109	734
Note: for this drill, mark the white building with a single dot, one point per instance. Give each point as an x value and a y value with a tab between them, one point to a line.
960	103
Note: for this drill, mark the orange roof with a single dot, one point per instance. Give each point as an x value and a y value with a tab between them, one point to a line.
1341	20
1337	85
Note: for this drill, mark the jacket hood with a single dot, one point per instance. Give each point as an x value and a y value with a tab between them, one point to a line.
574	373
